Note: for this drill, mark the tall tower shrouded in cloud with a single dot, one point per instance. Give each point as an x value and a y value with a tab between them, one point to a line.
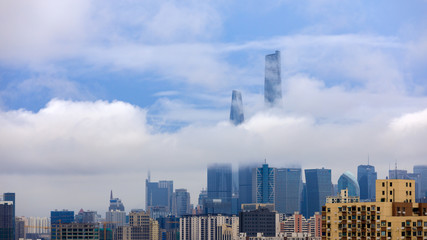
273	80
236	112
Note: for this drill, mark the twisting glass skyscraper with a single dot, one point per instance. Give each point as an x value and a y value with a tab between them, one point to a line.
366	177
236	112
273	80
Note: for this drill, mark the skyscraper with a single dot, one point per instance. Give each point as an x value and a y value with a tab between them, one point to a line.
288	190
349	182
263	185
422	171
366	177
181	202
11	197
245	184
319	187
236	111
158	197
6	220
273	81
115	203
219	189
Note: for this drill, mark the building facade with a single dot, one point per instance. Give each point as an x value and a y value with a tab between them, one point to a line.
394	215
219	199
261	220
366	177
158	197
181	202
209	227
236	111
288	189
263	184
318	188
273	80
7	225
349	182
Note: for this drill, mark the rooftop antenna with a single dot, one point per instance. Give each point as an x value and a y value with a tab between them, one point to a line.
149	176
265	160
395	170
368	158
111	195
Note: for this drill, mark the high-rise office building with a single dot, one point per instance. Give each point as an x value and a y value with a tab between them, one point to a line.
158	197
58	219
86	217
19	228
7	225
236	111
115	203
181	202
318	187
219	189
422	171
11	197
273	81
245	184
348	181
288	190
263	184
366	177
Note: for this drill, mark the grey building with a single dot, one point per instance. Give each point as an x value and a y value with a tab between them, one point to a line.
181	202
318	188
261	220
288	190
403	174
366	177
273	80
236	111
115	203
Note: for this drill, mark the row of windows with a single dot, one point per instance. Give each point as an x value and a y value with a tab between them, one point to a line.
353	208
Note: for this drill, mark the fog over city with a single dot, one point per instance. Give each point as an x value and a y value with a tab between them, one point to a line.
94	94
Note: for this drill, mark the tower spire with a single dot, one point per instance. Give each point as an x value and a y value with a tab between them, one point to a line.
111	195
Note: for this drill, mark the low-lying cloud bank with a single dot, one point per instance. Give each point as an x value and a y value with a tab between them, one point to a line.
70	154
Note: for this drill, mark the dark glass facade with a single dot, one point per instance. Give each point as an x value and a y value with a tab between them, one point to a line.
288	190
245	184
6	220
159	196
318	187
422	171
236	111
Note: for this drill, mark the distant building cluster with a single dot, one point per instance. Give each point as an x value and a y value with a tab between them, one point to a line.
265	203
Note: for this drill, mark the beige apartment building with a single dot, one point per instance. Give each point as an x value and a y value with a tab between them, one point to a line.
394	214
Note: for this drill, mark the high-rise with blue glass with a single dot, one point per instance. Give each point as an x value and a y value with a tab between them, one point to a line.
273	80
318	188
236	111
422	171
245	184
348	181
219	189
288	190
158	197
263	184
366	177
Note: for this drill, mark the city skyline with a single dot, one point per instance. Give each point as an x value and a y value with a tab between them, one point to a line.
95	94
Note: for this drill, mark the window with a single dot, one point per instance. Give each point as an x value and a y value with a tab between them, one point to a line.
391	192
410	184
389	224
383	184
391	184
383	224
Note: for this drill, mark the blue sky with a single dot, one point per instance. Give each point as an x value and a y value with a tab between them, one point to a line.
86	85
